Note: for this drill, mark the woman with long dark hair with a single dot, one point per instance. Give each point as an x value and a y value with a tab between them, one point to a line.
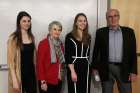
77	46
20	57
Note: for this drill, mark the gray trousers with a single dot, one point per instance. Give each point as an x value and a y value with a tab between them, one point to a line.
114	75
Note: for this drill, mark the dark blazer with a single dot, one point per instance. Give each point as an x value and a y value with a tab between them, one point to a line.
101	53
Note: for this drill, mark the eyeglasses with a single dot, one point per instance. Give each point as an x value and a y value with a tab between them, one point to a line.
114	16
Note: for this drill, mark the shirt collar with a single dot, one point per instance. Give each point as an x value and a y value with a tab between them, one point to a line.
117	29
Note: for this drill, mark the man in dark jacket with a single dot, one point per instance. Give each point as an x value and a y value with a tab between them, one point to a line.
114	54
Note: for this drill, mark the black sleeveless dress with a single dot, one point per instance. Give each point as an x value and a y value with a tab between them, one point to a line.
27	69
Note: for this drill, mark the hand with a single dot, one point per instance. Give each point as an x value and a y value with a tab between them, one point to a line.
74	76
94	71
16	86
96	75
44	86
59	76
132	77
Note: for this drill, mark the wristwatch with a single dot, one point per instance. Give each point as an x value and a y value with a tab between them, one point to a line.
43	82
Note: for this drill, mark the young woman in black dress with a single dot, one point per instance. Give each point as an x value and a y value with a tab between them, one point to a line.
77	48
21	54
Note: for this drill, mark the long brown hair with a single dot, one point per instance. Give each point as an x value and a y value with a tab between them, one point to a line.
85	37
17	34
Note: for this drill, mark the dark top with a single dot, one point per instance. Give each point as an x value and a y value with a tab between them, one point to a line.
27	56
74	48
27	69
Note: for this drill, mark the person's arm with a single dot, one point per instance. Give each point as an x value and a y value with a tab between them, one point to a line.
41	56
15	82
44	85
34	58
73	73
96	53
41	66
11	53
69	50
133	73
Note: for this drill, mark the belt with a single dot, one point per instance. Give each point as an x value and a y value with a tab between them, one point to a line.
115	63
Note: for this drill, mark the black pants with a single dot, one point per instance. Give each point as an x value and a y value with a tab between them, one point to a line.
51	88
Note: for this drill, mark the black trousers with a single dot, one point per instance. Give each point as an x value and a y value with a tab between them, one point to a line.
51	88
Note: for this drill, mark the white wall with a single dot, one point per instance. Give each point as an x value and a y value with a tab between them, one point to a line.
3	81
43	12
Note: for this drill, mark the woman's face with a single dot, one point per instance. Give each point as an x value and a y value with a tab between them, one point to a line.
25	23
55	31
81	23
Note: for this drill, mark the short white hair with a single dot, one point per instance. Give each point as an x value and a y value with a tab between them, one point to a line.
54	23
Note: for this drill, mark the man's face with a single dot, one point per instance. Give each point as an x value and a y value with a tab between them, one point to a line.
113	18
